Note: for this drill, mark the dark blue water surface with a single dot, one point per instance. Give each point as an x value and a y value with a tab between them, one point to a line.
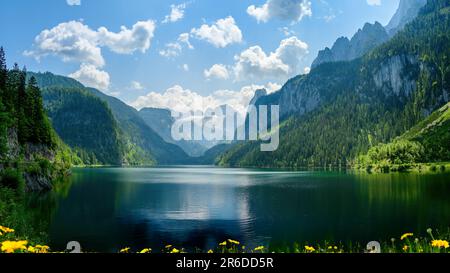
198	207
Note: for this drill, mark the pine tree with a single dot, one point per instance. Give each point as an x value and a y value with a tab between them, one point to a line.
23	123
3	71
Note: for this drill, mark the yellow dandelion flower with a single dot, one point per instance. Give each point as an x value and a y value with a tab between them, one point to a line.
41	249
406	235
335	248
259	248
13	246
5	230
145	250
224	243
210	251
31	249
310	249
168	246
440	244
233	242
175	251
405	248
125	250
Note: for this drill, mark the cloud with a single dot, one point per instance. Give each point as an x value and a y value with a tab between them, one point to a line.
73	2
71	41
76	42
176	13
374	2
183	100
254	63
185	67
127	41
135	85
174	49
221	34
90	76
286	10
217	71
306	70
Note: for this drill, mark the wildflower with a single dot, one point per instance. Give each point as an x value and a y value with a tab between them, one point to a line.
41	249
233	242
174	250
145	250
168	246
224	243
335	248
210	251
5	230
125	250
405	248
31	249
406	235
310	249
259	248
440	244
13	246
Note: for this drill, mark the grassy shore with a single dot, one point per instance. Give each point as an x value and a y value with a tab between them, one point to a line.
435	242
435	167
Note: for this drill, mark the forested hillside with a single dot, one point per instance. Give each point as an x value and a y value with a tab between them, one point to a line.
340	110
102	129
31	153
427	142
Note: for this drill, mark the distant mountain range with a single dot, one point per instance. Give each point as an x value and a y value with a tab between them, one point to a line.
342	108
370	36
101	128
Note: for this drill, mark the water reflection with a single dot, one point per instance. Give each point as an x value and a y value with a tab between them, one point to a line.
106	209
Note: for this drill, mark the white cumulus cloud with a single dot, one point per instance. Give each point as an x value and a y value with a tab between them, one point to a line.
75	41
287	10
90	76
174	49
178	99
71	41
254	63
127	41
218	71
220	34
176	13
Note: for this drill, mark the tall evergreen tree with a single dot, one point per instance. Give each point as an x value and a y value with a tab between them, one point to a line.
3	71
21	107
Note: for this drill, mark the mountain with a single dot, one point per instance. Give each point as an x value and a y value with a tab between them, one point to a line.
341	109
74	113
427	142
434	134
110	132
406	12
32	155
258	94
161	121
366	39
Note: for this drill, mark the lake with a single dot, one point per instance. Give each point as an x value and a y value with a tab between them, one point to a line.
197	207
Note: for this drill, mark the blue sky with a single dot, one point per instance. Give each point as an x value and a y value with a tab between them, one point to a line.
247	43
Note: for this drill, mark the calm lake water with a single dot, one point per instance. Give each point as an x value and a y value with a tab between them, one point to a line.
107	209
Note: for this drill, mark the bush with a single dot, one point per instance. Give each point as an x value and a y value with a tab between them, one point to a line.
13	179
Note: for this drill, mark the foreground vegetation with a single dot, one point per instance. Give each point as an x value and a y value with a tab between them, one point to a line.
435	242
426	142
